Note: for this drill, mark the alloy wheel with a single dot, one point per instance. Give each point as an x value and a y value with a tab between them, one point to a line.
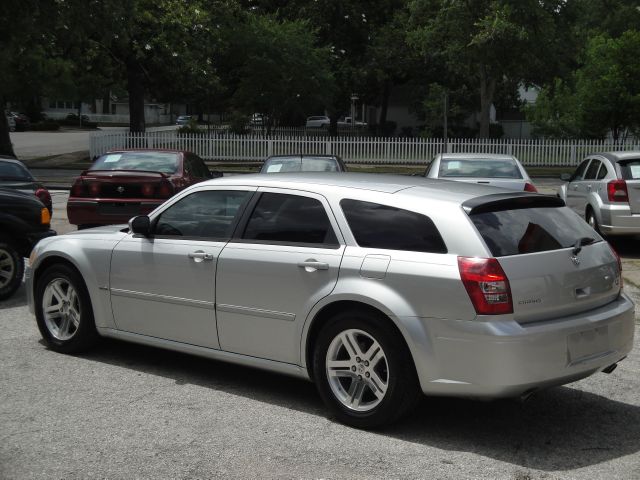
7	267
61	309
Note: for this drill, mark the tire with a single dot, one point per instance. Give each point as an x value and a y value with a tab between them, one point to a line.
71	327
376	390
11	269
591	219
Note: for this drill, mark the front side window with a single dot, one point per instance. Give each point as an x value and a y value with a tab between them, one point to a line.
382	226
579	173
206	214
290	219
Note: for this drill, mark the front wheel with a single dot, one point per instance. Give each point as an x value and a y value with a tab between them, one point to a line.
63	310
364	371
11	270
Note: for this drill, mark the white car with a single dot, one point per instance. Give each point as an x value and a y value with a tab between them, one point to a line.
504	171
318	121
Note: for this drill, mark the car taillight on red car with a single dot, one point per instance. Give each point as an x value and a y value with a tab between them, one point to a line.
166	189
94	189
487	285
529	187
78	188
44	196
147	190
617	191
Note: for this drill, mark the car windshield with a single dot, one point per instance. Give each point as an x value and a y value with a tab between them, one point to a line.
165	162
479	168
300	164
14	171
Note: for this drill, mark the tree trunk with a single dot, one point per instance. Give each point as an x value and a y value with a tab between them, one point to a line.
135	86
384	107
106	102
487	89
6	148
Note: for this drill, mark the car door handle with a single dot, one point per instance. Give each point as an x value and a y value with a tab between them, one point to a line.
199	256
312	265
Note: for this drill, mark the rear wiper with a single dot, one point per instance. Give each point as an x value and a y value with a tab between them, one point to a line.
581	242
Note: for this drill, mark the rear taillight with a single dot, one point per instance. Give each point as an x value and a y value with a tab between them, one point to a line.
44	196
147	190
94	189
615	254
529	187
487	285
617	191
166	189
78	189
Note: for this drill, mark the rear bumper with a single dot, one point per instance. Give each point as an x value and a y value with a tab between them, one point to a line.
618	220
502	358
108	211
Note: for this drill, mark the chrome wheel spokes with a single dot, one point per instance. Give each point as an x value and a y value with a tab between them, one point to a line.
61	309
7	267
357	370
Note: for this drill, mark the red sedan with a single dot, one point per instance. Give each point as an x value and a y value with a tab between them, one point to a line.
125	183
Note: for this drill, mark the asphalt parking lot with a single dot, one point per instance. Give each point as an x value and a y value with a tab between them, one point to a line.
128	411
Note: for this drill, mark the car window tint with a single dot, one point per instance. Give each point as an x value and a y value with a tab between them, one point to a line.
592	170
382	226
529	230
479	168
579	173
14	171
602	172
630	169
165	162
199	167
205	214
290	219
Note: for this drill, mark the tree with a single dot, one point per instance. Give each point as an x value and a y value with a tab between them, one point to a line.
487	41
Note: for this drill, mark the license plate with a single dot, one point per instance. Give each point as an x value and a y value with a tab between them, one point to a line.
118	208
588	344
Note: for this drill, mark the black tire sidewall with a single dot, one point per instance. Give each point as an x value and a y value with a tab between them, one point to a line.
402	381
16	280
86	334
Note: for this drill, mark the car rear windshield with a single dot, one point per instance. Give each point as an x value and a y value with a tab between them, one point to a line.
14	171
479	168
300	164
630	169
514	232
165	162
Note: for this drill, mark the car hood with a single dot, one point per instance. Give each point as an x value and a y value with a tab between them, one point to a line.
101	231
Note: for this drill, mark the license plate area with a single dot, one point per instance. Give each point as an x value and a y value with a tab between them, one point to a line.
118	208
588	344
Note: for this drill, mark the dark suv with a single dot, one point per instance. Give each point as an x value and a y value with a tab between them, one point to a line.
24	220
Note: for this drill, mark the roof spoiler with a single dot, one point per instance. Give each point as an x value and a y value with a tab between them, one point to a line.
510	201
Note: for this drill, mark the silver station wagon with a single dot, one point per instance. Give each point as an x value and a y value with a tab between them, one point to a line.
377	288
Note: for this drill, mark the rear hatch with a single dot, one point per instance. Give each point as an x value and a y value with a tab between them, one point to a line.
630	170
122	184
556	264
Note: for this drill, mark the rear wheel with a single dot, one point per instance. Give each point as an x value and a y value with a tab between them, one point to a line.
591	219
364	371
11	269
63	310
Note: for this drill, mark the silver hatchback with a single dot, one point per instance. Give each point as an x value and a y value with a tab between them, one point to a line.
605	191
376	288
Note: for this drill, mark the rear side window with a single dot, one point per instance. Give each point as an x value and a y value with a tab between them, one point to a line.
381	226
513	232
630	170
592	170
290	219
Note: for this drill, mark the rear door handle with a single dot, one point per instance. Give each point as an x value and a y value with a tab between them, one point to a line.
312	265
200	256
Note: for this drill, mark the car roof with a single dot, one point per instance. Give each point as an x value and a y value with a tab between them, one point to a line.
303	155
322	182
620	156
477	156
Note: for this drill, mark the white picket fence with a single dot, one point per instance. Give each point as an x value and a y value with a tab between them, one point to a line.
222	146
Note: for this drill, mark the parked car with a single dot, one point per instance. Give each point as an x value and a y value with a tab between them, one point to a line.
348	122
11	122
183	119
303	163
605	191
22	121
24	220
318	121
14	175
503	171
125	183
377	288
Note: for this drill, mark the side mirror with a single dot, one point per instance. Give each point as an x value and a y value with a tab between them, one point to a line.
565	177
140	225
